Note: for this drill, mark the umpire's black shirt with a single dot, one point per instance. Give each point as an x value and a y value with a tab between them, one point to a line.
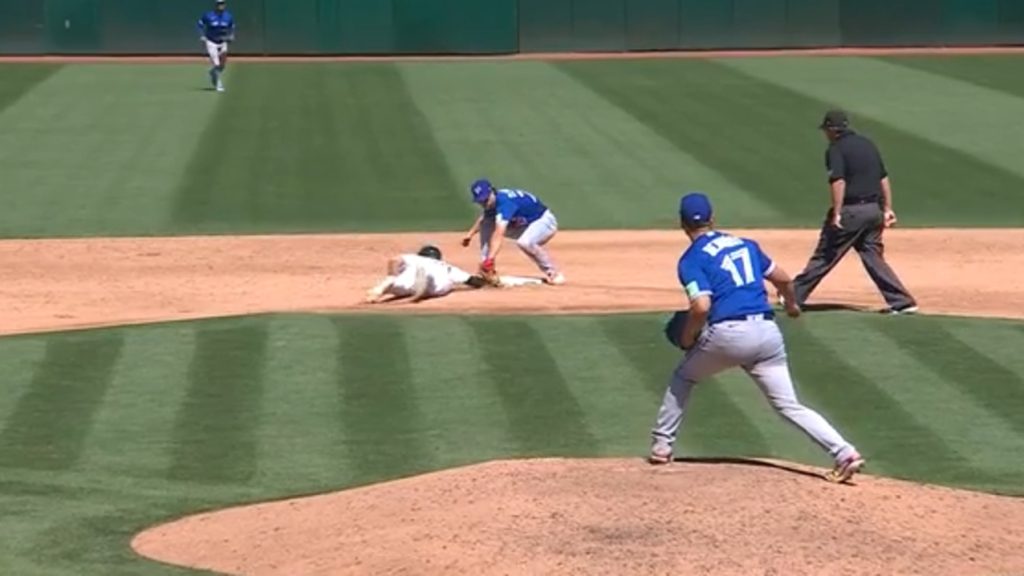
856	160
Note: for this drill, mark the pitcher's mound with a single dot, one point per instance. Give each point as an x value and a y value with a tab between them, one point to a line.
618	517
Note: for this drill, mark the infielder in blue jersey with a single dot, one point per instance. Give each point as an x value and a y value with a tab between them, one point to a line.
218	29
731	324
517	214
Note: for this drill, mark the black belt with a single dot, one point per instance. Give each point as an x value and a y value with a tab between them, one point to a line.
858	201
747	317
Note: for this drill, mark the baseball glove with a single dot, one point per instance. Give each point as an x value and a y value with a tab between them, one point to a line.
674	329
489	273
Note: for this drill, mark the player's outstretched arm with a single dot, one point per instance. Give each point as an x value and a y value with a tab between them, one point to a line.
783	282
472	231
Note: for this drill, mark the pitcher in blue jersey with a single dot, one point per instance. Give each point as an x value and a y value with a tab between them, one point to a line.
731	324
217	28
517	214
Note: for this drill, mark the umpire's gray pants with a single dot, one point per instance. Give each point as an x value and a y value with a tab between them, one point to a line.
862	230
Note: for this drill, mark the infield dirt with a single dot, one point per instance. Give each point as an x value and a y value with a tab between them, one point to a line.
61	284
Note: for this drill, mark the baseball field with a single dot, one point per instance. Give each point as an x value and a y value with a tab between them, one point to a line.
184	332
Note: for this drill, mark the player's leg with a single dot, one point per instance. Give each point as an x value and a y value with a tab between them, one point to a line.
383	288
222	50
532	242
771	374
213	52
699	363
833	244
871	251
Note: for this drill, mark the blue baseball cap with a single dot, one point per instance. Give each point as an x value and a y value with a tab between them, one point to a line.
481	190
695	209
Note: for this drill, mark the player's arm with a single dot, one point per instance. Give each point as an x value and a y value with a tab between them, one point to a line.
505	212
201	25
837	182
473	230
692	277
500	226
231	30
781	280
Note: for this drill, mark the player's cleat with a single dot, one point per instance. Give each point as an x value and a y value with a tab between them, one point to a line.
660	454
220	86
845	469
555	278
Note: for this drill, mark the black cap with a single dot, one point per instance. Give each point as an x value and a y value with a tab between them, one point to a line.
836	120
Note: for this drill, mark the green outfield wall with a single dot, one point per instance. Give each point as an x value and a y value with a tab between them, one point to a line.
503	26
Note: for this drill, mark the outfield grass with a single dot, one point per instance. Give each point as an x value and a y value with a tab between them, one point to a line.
140	150
106	431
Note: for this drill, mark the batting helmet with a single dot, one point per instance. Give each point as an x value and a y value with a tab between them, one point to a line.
430	251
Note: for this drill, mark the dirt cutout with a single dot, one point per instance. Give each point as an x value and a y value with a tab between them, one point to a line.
614	517
61	284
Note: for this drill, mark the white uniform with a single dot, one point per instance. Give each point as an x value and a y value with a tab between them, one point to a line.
215	50
440	276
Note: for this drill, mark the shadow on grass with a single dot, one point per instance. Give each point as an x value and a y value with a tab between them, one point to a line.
792	469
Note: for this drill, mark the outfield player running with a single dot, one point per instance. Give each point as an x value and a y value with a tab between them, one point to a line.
420	276
731	324
218	29
514	214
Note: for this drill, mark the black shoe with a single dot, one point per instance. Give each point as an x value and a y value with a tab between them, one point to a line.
908	309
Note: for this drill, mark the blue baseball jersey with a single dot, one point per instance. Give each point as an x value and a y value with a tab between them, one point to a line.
517	207
217	26
729	270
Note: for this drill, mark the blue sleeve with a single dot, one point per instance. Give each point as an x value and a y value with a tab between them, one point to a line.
767	264
231	19
507	208
202	24
693	278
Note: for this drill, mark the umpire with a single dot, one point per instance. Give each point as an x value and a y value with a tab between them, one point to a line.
861	209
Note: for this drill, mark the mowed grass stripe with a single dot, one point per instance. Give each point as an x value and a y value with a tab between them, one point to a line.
713	424
19	358
717	116
463	415
52	420
607	386
1000	341
298	424
529	125
99	149
988	384
18	80
937	152
544	418
378	411
134	428
318	147
835	376
998	72
215	437
716	113
933	402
